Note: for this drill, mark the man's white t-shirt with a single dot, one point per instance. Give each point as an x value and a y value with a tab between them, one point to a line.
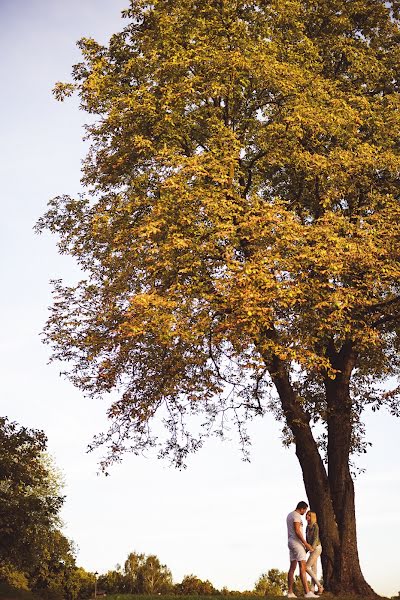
292	518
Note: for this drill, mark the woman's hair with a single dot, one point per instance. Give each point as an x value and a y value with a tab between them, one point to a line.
313	517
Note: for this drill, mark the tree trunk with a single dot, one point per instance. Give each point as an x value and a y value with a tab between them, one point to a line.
346	573
330	496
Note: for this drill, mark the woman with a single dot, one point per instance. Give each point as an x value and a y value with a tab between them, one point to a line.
312	537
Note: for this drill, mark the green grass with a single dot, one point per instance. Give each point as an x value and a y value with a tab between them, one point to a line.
9	593
218	597
182	597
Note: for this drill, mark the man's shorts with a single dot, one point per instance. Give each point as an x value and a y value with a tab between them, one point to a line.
296	550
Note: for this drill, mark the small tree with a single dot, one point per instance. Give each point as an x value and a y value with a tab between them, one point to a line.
132	566
193	586
80	584
146	575
153	577
114	582
273	583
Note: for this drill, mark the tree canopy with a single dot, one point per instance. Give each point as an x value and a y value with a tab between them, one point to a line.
239	234
244	182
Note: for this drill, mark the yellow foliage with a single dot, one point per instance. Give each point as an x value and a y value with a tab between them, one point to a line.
244	173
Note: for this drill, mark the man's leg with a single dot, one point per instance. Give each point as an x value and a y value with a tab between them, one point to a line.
303	576
290	578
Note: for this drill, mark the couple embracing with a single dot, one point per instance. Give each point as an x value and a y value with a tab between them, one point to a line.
299	545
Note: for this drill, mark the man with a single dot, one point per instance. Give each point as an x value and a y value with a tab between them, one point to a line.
297	550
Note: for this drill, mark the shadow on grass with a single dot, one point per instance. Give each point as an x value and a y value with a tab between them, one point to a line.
7	592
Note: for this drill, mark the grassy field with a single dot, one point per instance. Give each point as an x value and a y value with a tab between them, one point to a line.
8	593
221	597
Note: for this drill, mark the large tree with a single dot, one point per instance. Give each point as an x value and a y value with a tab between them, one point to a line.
239	235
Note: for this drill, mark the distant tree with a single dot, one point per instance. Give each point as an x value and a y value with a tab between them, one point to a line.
30	498
116	582
146	575
80	584
34	553
240	234
56	573
193	586
132	566
225	591
273	583
153	577
298	586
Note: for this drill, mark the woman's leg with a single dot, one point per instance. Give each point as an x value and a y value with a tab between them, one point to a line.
311	566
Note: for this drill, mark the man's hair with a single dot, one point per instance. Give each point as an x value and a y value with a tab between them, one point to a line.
302	505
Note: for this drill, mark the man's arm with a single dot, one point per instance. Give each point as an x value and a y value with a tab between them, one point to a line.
297	528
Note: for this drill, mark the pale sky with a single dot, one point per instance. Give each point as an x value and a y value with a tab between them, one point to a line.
221	519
